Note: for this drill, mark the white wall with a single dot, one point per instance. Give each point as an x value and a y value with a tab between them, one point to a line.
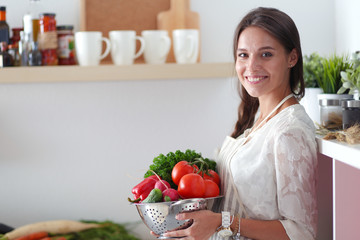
347	26
315	21
74	150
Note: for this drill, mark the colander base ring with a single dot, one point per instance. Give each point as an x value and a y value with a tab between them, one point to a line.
163	237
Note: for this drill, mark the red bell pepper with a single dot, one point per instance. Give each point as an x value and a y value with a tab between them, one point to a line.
143	189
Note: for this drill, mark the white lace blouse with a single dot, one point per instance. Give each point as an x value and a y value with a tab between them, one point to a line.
274	173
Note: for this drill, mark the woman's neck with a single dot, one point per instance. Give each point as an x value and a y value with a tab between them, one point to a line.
267	105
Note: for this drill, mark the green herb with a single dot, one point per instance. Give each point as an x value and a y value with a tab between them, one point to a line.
351	77
312	69
108	231
330	79
163	164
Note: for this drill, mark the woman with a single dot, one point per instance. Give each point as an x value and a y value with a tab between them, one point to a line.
268	165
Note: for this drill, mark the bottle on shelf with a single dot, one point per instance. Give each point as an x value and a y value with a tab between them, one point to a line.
31	20
15	35
66	49
6	59
24	48
47	39
13	50
34	57
4	27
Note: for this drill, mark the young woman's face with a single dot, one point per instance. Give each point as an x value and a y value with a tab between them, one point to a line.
262	64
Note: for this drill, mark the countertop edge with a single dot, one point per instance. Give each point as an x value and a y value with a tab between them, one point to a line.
346	153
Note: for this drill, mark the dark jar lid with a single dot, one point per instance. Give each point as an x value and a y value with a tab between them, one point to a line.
65	27
2	8
47	14
350	104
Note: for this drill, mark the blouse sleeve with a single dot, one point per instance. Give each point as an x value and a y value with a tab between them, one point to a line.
296	171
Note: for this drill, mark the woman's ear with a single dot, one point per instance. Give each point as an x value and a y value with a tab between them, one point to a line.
293	58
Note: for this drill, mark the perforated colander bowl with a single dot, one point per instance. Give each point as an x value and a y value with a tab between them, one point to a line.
160	217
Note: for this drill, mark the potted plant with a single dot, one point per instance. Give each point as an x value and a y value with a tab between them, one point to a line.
330	82
351	81
329	79
312	67
351	78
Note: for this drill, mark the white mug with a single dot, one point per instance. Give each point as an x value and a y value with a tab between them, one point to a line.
88	46
186	45
157	46
123	46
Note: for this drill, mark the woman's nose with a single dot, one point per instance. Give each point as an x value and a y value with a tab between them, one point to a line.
252	63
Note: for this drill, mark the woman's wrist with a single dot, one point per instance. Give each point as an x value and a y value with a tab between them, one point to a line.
218	221
236	224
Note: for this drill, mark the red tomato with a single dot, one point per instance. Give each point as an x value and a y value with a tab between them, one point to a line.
212	176
191	186
180	169
211	189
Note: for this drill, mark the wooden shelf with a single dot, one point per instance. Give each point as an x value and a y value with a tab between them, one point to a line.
115	73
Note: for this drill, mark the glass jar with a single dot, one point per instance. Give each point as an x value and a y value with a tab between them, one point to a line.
6	59
330	113
13	50
15	35
350	112
47	39
66	51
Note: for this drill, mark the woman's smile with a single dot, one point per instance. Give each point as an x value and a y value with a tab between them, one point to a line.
255	79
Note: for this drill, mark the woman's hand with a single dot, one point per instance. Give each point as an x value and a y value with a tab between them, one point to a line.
204	225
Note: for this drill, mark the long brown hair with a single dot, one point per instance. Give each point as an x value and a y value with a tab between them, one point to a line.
283	28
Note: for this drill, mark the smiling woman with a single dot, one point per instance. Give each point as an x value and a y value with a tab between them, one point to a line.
267	167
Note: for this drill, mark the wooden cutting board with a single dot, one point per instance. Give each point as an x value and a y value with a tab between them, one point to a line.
107	15
179	16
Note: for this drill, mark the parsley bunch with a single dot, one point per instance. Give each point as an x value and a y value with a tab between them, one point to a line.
163	164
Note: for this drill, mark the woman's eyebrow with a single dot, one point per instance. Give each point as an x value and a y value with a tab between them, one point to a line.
260	49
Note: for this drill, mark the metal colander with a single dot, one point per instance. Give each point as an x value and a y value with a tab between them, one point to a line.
160	217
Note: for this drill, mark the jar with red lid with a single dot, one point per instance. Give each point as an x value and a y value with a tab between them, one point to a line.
47	39
66	50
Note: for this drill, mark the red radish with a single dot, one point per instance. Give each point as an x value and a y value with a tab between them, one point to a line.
171	193
162	185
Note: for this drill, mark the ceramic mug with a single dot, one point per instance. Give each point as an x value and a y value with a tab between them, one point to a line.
123	46
186	45
157	46
88	46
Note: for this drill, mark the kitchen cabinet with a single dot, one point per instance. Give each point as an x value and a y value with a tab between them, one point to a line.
111	72
341	202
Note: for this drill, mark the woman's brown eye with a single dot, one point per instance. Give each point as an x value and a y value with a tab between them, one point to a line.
267	54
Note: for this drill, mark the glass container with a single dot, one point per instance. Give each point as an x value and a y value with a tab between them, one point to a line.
47	39
350	112
66	50
4	27
330	113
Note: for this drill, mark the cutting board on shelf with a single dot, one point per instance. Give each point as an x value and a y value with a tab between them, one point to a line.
107	15
179	16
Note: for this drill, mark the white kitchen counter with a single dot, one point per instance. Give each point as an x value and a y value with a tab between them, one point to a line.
338	189
346	153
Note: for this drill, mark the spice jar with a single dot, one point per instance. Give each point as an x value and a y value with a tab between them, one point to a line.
13	50
65	51
47	39
330	113
350	112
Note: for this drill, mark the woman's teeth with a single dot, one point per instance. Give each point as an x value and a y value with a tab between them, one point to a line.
254	79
